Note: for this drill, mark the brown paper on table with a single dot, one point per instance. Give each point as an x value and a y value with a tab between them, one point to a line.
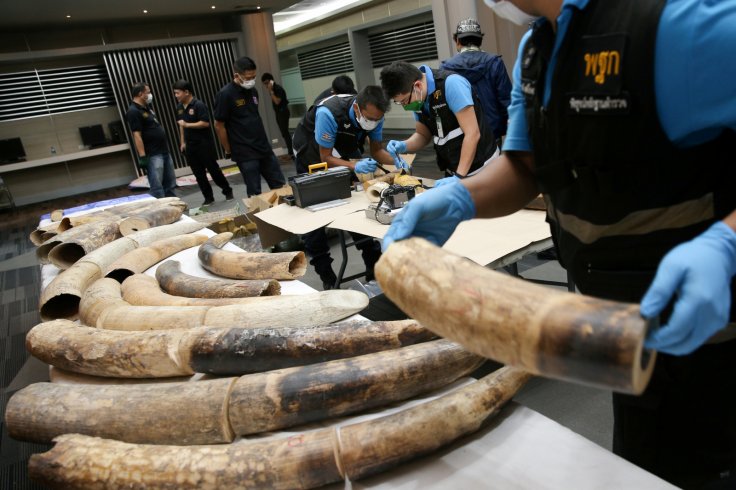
267	200
285	219
481	240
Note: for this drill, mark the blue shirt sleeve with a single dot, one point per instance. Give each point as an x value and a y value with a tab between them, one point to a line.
458	93
325	128
695	70
517	134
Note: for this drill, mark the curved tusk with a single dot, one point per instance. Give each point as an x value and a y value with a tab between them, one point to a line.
544	331
102	306
140	259
149	218
212	411
249	265
70	246
174	281
308	460
224	351
60	299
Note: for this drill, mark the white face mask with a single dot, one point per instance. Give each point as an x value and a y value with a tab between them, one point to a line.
509	11
248	84
149	98
364	123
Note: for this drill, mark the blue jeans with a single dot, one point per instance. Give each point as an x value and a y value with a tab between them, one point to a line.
267	166
161	176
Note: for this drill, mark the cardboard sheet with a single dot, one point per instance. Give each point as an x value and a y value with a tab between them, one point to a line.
484	241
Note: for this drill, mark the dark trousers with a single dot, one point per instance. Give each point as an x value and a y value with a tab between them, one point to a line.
202	159
683	427
282	119
268	167
318	250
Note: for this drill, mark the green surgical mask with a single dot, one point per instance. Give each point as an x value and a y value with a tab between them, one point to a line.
414	106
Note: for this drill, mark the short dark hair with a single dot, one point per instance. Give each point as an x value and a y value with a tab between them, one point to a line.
343	84
469	40
138	89
398	77
373	94
184	85
243	64
266	76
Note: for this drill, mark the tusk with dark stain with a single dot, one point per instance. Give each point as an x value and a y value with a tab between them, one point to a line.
173	281
249	265
149	218
68	247
544	331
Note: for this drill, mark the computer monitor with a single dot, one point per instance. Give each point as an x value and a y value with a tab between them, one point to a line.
93	136
11	151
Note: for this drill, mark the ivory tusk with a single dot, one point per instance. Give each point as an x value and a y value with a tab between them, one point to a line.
544	331
140	259
60	299
224	351
103	307
175	282
149	218
249	265
307	460
212	411
73	244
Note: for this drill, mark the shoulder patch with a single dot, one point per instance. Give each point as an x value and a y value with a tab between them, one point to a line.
326	136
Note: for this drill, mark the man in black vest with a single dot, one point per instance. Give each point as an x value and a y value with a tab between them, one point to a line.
240	129
280	107
447	112
334	131
195	140
623	119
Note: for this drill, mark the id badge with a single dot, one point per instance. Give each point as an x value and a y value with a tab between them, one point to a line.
440	132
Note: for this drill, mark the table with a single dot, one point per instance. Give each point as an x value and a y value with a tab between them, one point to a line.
520	449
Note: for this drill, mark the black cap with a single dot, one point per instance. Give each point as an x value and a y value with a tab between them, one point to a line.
468	27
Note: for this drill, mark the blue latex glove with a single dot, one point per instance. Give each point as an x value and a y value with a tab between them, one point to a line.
395	148
433	214
699	272
365	166
447	180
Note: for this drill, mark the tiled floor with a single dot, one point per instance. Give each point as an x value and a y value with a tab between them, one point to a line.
584	410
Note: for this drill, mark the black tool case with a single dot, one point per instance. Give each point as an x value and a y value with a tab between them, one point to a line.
319	187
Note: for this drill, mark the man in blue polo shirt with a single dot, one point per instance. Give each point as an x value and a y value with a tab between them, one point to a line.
240	129
334	131
447	112
149	140
623	114
196	141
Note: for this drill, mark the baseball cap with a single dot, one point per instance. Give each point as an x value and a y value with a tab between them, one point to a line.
468	27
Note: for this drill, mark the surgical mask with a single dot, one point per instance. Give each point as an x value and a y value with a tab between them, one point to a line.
415	106
248	84
149	98
509	11
365	123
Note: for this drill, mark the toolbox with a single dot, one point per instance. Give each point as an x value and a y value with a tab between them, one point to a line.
315	188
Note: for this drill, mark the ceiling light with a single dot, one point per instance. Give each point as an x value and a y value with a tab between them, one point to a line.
258	8
68	16
213	7
145	11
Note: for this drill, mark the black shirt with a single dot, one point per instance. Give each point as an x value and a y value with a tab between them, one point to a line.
238	109
194	112
144	119
279	92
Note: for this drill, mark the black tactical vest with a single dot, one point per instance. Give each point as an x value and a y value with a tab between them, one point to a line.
348	141
448	136
619	193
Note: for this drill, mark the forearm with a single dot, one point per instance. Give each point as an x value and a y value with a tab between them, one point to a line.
383	157
221	131
467	152
503	187
139	144
416	142
196	125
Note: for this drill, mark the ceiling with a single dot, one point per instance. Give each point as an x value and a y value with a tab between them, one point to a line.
53	13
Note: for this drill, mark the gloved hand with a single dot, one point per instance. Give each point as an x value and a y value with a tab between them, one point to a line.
143	161
699	272
395	148
447	180
365	166
433	214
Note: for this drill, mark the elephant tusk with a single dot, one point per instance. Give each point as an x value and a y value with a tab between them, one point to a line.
175	282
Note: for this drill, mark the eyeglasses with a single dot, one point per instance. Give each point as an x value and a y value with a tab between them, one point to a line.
404	101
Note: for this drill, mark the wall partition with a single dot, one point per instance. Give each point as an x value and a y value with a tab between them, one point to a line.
207	65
